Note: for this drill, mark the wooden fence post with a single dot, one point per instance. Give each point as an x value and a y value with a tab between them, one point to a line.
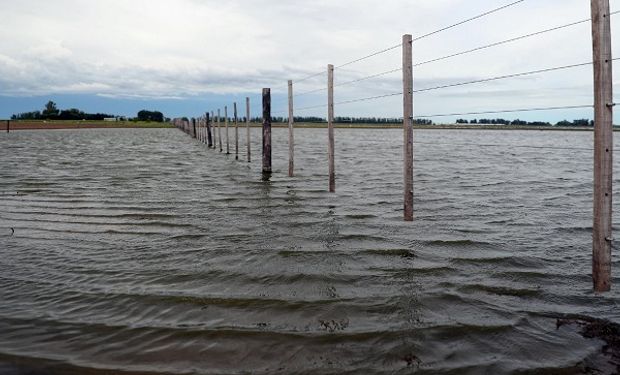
214	129
266	134
199	120
219	130
194	133
247	127
291	136
204	129
8	125
408	125
226	122
330	129
236	132
209	138
603	146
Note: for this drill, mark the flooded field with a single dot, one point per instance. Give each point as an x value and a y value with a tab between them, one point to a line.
142	251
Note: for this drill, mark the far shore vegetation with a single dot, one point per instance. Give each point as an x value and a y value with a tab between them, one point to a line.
51	113
73	117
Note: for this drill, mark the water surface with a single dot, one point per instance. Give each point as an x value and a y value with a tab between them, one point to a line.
145	252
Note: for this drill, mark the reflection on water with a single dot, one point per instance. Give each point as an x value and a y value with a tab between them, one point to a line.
143	251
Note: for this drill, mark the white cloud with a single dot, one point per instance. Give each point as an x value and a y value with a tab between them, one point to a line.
180	48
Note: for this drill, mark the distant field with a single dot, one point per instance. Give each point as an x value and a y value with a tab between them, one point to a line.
32	125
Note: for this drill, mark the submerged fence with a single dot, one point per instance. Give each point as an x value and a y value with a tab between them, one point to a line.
209	127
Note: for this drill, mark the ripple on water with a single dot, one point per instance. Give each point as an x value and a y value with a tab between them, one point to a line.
141	251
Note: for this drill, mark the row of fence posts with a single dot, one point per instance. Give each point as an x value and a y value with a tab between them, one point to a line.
603	144
208	129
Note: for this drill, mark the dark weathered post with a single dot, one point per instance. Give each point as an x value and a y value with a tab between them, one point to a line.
219	130
209	138
213	127
247	127
236	132
204	129
408	125
291	136
8	126
603	146
199	129
266	134
194	133
330	129
226	122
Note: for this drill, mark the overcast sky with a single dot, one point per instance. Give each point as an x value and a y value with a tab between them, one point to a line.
187	56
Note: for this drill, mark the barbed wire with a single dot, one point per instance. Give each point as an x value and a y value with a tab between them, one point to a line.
368	77
310	92
414	39
369	56
444	58
497	78
506	41
467	20
310	76
368	98
495	44
506	111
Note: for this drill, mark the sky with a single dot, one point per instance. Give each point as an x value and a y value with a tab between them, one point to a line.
185	57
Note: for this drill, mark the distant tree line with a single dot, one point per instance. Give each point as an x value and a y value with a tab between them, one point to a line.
51	112
342	120
517	122
154	116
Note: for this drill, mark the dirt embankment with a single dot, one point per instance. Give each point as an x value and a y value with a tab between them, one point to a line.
42	125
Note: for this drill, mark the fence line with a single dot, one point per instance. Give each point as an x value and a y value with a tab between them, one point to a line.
603	108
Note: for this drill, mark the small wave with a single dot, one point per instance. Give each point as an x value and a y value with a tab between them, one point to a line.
403	253
501	290
519	262
457	243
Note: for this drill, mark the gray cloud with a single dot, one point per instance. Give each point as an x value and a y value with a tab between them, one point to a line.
185	48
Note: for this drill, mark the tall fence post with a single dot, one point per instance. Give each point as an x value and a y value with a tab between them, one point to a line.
330	129
194	133
204	129
209	138
603	146
226	122
219	129
8	126
266	134
236	132
408	125
213	128
247	127
291	136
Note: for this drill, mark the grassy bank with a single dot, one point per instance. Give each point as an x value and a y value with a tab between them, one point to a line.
35	125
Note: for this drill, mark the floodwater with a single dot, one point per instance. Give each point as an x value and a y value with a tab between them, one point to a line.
142	251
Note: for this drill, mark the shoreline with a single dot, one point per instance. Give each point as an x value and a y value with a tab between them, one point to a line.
60	125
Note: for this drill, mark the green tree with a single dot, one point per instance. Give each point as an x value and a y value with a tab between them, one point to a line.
155	116
50	109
